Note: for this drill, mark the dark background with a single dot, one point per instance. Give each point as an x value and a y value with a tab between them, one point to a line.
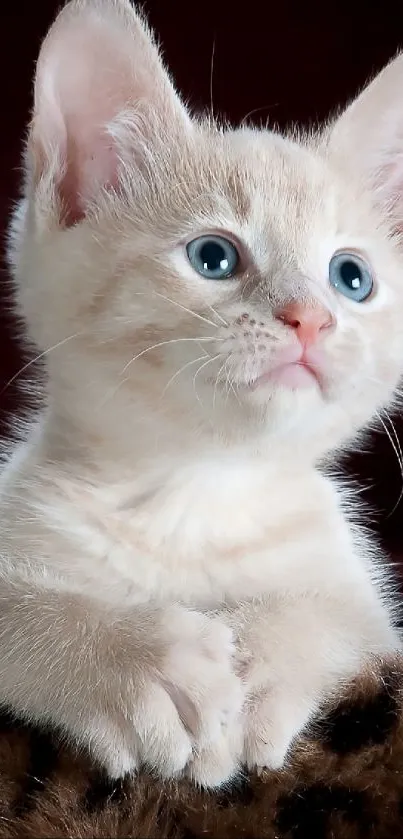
287	61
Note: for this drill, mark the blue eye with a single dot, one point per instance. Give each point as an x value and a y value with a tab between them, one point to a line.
351	276
214	257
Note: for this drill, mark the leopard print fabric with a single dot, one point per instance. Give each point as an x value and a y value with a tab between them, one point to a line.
344	781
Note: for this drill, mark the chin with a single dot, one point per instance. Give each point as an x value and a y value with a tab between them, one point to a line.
286	415
285	400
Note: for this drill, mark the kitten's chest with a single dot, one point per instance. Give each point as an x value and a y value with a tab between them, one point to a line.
203	547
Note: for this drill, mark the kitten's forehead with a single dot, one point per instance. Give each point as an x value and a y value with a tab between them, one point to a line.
277	188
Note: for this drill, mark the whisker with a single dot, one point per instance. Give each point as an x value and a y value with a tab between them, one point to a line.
163	344
399	457
175	303
231	384
255	111
216	382
212	309
227	388
185	309
211	77
181	369
230	387
210	360
246	286
395	435
111	393
398	452
37	358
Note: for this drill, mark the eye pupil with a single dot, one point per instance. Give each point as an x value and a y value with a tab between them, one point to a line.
351	274
213	257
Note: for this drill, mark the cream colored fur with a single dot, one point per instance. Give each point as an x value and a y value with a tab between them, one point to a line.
181	585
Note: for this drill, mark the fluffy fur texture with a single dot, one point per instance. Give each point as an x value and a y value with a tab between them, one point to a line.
181	586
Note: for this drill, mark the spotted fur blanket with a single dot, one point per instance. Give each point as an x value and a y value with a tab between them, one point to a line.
344	780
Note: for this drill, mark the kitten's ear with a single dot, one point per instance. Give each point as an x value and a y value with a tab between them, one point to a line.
368	140
97	61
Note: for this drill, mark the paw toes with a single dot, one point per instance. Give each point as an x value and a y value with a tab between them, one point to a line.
270	729
213	767
165	745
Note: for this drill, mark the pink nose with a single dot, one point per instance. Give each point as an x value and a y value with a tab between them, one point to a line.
308	321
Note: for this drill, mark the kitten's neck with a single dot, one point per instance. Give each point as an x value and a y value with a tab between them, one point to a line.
153	471
117	433
152	454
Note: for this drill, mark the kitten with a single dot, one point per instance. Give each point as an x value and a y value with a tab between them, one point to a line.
181	587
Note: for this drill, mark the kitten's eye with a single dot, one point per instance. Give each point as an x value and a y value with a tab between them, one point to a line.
214	257
351	276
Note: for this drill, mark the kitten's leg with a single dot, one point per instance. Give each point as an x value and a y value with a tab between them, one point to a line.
140	687
293	652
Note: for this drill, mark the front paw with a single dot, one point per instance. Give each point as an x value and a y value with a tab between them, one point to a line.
199	676
260	736
272	721
200	679
293	654
177	706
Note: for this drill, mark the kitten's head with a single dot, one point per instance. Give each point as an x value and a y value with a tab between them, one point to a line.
227	279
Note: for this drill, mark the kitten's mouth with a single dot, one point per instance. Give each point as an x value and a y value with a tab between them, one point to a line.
294	375
295	367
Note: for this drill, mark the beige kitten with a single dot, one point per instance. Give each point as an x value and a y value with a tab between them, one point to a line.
181	585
